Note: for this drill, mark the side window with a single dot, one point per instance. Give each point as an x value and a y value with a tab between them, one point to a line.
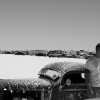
74	77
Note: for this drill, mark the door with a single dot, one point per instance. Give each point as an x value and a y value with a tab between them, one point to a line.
73	86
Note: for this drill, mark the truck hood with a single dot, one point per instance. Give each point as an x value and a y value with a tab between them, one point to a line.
25	84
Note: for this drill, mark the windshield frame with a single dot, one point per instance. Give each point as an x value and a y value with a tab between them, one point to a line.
45	70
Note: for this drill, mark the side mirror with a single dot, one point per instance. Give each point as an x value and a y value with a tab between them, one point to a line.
68	82
83	75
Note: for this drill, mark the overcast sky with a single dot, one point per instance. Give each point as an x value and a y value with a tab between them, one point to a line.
49	24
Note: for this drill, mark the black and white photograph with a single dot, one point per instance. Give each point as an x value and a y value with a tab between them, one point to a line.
49	49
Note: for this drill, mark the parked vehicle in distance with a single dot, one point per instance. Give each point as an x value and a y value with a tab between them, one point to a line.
67	55
56	81
55	53
40	54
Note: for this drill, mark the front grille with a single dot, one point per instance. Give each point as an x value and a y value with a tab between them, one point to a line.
21	95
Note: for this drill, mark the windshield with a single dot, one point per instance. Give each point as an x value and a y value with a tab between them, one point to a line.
50	73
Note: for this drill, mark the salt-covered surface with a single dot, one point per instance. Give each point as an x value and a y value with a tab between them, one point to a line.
65	66
23	84
15	66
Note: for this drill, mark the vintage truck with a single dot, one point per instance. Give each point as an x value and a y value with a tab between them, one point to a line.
56	81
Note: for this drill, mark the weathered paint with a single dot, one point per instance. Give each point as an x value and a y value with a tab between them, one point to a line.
65	66
43	85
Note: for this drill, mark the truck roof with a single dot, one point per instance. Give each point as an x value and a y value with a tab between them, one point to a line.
65	66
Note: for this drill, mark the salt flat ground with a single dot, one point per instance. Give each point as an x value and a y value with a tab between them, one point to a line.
15	66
